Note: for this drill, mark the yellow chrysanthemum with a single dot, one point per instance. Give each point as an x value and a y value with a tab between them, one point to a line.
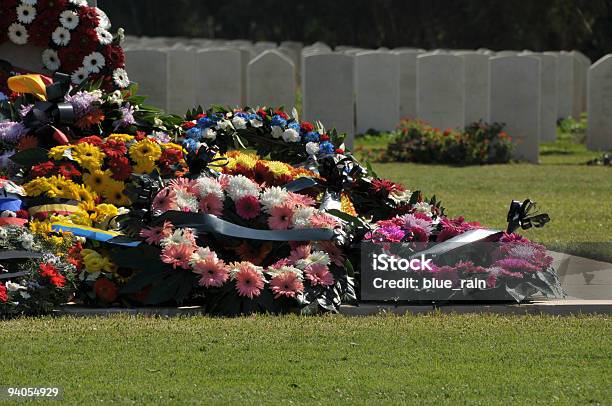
88	156
246	160
60	187
57	153
114	193
145	151
86	194
80	217
40	227
121	137
95	262
346	205
144	167
98	180
104	212
277	168
36	187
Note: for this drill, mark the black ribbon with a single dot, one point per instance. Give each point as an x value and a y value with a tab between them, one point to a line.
203	160
17	254
207	223
46	115
524	215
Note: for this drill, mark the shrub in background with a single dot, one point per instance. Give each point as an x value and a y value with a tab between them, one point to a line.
478	143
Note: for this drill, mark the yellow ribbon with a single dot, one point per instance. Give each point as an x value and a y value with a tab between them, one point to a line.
30	83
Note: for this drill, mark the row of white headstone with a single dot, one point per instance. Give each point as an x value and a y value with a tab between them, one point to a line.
355	90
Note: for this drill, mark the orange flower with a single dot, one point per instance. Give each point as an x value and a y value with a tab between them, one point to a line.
94	118
256	255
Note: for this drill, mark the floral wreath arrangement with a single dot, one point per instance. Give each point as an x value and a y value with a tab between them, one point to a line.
75	37
36	271
160	209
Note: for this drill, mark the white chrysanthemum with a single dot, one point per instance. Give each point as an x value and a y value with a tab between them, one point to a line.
24	294
120	78
202	254
25	13
115	98
317	257
14	287
208	186
301	217
50	59
104	37
103	20
312	148
273	196
239	123
178	237
422	207
401	196
79	76
210	134
290	135
240	186
186	201
256	123
69	19
93	62
277	131
223	124
27	241
61	36
277	271
18	34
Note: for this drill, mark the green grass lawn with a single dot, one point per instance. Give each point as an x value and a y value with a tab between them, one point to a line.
435	359
577	197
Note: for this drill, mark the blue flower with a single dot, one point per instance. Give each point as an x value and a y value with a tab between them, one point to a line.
312	136
326	147
278	121
294	125
206	122
242	114
195	133
190	144
3	97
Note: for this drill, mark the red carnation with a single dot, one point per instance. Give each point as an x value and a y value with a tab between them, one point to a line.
114	148
199	116
307	127
43	169
120	167
92	139
339	151
325	137
75	257
43	26
282	114
141	135
68	171
71	58
3	294
188	124
262	113
105	290
114	56
48	271
88	17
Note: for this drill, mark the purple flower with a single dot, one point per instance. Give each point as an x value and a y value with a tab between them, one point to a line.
12	131
127	117
25	109
83	103
411	221
387	233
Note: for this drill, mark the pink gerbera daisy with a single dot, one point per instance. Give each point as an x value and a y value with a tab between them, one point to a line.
318	274
296	199
177	255
211	204
249	282
187	185
164	201
280	217
153	235
299	252
286	284
321	220
214	272
248	207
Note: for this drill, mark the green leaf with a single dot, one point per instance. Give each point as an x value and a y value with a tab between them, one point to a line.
30	157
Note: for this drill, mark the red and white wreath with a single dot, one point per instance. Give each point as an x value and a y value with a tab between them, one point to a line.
75	36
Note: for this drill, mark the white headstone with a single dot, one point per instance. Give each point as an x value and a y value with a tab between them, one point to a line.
565	85
581	70
599	130
376	91
182	72
327	92
271	81
548	98
262	46
507	53
476	82
515	101
584	72
149	68
407	84
440	90
219	77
